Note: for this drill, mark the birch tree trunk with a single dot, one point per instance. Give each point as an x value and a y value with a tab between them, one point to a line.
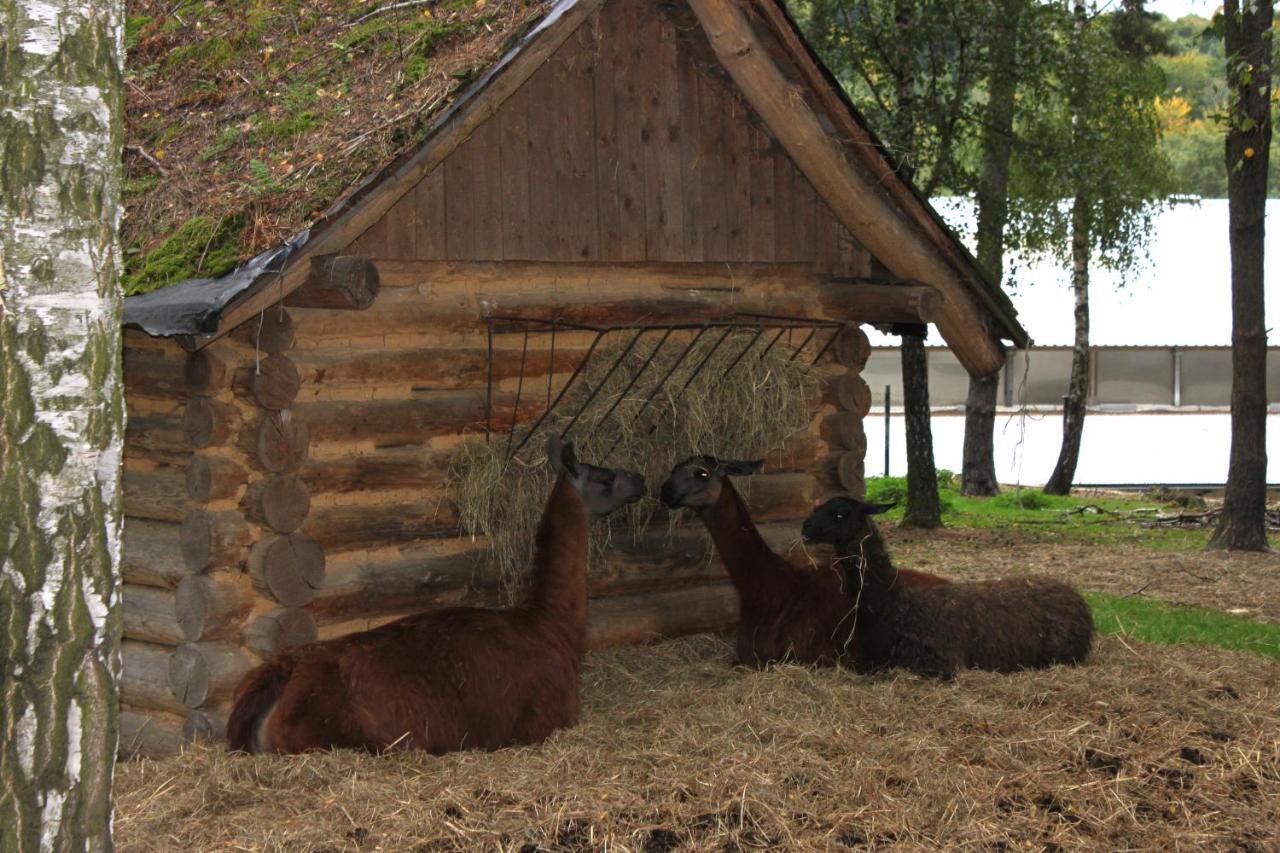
61	422
1073	406
978	474
1248	44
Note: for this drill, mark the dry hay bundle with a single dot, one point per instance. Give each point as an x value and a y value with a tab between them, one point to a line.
743	398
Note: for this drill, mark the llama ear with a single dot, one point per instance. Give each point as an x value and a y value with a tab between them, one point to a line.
738	468
563	458
876	509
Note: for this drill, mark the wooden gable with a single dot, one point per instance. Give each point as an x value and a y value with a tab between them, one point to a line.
630	144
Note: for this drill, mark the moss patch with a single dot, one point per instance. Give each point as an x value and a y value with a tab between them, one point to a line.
203	246
277	107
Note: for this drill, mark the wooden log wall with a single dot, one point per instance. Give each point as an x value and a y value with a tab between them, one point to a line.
211	463
846	399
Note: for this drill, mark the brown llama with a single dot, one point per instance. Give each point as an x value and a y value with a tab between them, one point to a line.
1004	625
444	680
784	612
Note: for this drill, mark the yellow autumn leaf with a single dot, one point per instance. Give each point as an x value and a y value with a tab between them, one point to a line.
158	154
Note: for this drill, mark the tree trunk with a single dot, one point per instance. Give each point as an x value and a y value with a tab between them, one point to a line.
61	422
1242	524
979	467
923	509
1073	407
922	479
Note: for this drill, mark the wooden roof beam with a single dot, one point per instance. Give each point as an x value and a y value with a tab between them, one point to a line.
877	223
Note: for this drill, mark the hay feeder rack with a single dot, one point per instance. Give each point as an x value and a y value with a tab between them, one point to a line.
769	327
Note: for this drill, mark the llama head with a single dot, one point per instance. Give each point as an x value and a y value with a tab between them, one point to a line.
696	482
602	489
841	519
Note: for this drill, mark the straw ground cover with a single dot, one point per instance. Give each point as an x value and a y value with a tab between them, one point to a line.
1240	584
1142	748
725	393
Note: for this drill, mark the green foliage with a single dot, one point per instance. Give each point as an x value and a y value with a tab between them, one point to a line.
1158	622
894	490
1094	138
261	179
1030	499
133	27
917	92
201	247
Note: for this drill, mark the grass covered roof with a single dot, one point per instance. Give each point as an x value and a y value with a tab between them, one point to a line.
247	119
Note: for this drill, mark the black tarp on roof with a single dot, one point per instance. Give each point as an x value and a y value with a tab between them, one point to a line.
194	306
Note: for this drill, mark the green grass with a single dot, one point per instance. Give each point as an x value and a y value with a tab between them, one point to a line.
1157	622
1084	518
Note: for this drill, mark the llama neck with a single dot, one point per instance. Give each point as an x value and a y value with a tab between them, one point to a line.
870	577
745	554
559	586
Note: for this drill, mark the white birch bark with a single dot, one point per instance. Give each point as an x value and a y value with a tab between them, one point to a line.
61	419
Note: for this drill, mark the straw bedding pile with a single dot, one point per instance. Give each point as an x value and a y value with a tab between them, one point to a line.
743	398
1145	747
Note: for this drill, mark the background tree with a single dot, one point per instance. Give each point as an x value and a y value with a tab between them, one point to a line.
978	471
1094	141
61	422
913	68
1248	36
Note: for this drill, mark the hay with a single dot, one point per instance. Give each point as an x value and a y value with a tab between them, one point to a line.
1146	747
742	412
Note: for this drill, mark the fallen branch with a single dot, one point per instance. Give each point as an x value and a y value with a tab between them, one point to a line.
142	152
391	7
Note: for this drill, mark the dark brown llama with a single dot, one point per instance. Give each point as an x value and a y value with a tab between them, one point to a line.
785	612
1005	625
461	678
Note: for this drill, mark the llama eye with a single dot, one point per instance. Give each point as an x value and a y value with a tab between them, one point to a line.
702	475
839	516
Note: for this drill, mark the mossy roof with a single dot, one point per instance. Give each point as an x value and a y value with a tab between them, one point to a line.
247	119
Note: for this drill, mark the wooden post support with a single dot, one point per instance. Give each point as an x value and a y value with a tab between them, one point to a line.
280	502
338	281
209	609
201	673
288	568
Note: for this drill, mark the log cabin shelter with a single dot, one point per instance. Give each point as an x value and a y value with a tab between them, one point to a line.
617	162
